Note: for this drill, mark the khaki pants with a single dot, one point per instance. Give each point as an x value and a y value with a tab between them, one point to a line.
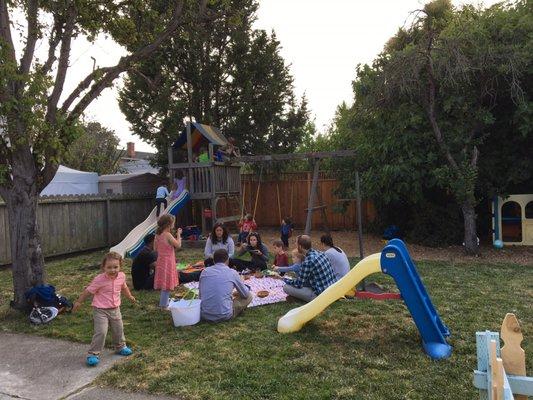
240	304
104	317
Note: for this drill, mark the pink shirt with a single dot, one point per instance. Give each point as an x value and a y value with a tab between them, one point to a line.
106	291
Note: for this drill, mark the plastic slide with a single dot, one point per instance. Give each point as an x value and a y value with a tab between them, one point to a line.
395	261
133	242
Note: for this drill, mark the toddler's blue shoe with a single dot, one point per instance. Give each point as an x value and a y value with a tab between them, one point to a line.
125	351
92	360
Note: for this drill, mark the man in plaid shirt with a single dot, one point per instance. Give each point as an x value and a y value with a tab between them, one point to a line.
315	275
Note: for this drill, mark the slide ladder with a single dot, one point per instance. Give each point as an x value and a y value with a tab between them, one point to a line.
396	262
132	244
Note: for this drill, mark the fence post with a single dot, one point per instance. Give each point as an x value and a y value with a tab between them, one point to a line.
108	220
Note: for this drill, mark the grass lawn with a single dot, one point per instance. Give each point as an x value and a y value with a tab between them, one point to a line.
354	350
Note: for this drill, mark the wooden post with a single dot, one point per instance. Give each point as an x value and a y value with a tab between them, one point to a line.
292	192
108	220
312	194
189	158
496	373
362	285
359	216
514	357
279	204
170	162
323	210
258	188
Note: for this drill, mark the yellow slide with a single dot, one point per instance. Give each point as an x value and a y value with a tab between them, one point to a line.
296	318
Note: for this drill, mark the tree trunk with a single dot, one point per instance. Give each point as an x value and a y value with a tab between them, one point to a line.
470	238
26	254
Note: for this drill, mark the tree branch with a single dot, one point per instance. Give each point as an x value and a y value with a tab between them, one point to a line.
126	62
33	30
430	105
82	86
55	37
62	66
5	36
5	30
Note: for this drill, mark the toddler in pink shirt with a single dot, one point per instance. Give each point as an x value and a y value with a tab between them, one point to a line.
106	289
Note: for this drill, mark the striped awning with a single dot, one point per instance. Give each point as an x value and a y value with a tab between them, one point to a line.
201	135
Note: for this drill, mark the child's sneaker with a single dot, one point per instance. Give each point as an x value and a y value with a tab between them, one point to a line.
92	360
125	351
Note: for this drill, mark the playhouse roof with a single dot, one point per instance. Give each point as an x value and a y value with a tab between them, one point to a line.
200	136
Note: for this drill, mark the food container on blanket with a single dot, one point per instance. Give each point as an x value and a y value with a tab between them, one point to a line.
185	312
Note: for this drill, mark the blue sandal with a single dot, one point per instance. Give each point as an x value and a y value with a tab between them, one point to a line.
125	351
92	360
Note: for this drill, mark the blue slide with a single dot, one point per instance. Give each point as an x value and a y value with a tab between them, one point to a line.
396	262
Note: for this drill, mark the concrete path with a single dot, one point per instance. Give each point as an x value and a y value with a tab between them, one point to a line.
38	368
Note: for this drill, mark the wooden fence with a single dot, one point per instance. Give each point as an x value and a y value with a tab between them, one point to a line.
76	223
293	189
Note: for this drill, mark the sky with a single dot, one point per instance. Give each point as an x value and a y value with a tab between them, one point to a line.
322	42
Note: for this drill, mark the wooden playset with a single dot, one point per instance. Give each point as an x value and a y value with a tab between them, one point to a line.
500	373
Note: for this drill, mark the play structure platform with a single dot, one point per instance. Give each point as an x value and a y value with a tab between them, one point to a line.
134	241
394	260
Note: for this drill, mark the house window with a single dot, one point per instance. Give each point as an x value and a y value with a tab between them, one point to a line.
511	222
529	210
109	191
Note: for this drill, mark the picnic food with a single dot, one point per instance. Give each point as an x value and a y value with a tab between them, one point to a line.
262	293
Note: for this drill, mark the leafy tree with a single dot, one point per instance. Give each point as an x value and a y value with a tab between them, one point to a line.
95	150
35	127
444	110
224	73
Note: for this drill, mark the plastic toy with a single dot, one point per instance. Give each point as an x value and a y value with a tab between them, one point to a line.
500	373
395	261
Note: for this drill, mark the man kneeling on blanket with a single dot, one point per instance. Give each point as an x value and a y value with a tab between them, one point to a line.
216	290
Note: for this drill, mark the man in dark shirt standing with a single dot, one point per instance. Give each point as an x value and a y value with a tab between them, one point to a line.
142	269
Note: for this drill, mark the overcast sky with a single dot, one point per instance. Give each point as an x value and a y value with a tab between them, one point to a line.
322	41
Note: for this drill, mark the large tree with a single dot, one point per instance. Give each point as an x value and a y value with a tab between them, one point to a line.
223	73
95	150
443	114
38	120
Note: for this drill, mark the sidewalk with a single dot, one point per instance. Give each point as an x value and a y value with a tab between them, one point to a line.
38	368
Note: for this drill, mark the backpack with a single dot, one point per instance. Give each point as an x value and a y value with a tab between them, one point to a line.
45	296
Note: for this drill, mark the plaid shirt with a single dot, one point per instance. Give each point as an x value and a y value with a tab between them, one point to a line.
315	272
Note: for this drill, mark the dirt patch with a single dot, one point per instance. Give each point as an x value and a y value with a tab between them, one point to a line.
348	241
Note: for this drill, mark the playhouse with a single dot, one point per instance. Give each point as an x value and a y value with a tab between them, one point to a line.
209	182
512	219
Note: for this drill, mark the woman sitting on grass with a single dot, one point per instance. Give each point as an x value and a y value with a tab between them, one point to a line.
257	250
337	258
218	239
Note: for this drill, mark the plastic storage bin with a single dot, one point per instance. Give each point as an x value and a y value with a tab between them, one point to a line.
185	312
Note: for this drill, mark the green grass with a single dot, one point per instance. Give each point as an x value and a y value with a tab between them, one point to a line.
354	350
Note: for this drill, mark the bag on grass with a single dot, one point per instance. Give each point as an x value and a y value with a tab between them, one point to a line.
45	296
43	315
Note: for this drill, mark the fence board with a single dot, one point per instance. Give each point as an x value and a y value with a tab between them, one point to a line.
299	185
75	223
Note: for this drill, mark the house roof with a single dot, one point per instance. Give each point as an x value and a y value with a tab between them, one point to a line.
200	135
123	177
133	166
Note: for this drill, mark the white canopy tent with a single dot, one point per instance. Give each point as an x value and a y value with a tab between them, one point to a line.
71	181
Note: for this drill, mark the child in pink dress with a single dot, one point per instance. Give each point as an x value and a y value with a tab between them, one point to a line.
166	275
105	289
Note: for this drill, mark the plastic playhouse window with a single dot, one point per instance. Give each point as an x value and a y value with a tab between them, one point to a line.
529	210
511	222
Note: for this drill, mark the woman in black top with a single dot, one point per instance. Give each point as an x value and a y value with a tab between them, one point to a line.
257	250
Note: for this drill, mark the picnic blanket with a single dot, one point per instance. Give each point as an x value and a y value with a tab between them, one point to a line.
274	287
